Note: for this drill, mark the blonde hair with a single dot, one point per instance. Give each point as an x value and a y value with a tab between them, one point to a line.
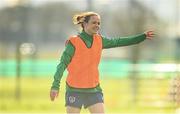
83	17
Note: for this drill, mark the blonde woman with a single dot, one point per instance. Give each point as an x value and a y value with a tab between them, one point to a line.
81	58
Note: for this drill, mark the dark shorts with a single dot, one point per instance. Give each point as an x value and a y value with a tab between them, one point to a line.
78	99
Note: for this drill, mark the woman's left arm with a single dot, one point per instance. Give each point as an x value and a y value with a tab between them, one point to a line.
125	41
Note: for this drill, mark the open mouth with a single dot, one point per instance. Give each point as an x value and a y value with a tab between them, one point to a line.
96	29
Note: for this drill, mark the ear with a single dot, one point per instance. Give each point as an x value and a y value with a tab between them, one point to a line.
85	24
67	41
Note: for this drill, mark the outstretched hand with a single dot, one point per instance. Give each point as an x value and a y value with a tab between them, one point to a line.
149	34
53	94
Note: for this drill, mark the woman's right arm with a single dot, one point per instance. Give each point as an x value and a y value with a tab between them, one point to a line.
64	62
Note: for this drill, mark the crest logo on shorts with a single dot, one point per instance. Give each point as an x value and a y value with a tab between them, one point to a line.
72	99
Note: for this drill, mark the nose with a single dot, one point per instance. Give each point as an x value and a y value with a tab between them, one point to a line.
97	25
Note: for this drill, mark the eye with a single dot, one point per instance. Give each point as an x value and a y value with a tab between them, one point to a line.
96	23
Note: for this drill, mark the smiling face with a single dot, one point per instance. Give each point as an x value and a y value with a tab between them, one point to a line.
93	25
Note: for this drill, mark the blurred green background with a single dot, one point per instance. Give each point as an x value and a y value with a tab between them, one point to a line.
143	78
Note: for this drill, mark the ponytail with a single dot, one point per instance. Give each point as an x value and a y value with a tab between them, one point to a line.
83	17
78	19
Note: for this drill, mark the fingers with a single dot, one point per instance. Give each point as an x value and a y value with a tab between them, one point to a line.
149	34
53	94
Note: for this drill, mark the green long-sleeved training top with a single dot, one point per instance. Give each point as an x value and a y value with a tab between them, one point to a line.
106	43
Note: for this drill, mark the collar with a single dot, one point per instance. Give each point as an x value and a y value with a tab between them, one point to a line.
83	34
